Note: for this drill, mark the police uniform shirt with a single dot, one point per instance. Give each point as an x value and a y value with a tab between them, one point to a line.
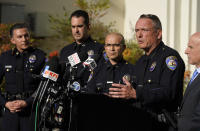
102	113
87	45
84	47
159	79
65	74
107	72
18	69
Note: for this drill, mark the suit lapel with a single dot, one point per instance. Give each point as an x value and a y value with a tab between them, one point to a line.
190	88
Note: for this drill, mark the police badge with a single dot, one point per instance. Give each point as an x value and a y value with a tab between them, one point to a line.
76	86
171	62
32	59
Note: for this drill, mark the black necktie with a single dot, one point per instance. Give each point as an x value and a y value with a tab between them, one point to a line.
145	69
78	47
110	73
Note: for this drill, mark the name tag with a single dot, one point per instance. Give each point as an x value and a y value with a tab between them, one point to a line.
8	66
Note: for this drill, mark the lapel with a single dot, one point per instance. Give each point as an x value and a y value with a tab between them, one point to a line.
190	87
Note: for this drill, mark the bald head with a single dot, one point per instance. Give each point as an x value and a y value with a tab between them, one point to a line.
116	35
193	49
196	37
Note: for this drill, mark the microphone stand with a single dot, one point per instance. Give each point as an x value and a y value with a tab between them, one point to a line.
70	94
71	78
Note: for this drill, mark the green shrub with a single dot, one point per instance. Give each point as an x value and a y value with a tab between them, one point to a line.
96	10
132	52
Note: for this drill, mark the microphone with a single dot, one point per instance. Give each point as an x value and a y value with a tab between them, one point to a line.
92	60
71	68
77	58
65	67
48	76
90	64
84	71
74	60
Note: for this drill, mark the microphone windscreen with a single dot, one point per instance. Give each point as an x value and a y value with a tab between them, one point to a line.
83	56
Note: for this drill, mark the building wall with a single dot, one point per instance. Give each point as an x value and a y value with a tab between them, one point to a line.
179	18
40	9
116	13
134	8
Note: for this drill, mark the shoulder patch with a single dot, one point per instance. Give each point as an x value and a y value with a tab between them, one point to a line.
171	62
105	56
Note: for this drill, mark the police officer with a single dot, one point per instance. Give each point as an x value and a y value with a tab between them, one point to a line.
17	66
109	113
159	78
82	44
80	27
113	69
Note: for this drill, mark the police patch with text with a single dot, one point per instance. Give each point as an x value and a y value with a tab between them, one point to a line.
171	62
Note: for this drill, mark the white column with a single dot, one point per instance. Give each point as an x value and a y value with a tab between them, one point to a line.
164	20
134	8
186	26
193	26
170	23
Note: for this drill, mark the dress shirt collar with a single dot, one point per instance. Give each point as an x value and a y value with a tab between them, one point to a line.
198	70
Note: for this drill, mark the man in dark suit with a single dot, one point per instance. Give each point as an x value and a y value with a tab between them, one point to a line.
189	119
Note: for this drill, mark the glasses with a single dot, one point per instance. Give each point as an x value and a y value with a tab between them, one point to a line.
113	45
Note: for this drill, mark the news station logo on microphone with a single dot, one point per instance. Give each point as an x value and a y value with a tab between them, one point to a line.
90	63
74	59
46	68
50	75
76	86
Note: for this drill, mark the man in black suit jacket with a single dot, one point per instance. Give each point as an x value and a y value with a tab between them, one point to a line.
189	119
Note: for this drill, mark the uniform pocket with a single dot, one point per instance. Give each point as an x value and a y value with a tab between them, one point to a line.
10	75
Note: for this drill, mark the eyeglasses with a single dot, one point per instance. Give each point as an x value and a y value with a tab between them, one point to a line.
113	45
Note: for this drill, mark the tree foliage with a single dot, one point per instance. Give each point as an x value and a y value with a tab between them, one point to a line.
96	10
4	37
132	52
